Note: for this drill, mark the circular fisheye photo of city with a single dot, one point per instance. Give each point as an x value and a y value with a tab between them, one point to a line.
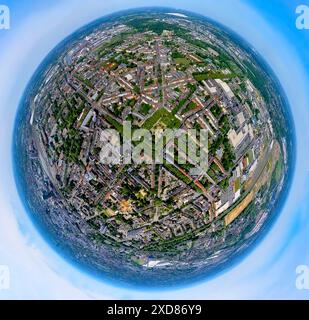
153	148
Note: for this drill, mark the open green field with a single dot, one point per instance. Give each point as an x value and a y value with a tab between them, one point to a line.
164	116
182	61
212	75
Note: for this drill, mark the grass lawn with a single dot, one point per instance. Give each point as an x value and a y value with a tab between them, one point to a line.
279	169
212	75
163	116
237	184
183	61
189	107
118	126
145	108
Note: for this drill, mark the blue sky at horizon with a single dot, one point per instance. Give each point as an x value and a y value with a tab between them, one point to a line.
268	272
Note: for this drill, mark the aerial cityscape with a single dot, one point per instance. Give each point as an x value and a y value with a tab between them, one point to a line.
144	223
